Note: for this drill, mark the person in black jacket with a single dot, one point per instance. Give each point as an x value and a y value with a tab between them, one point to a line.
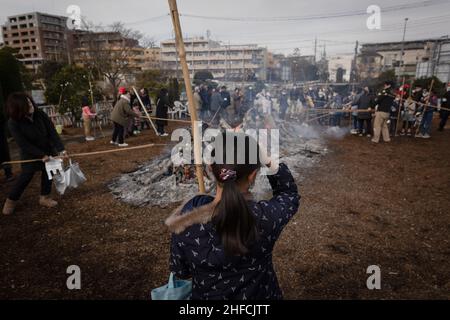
225	242
384	100
365	102
147	102
162	107
37	138
4	150
444	114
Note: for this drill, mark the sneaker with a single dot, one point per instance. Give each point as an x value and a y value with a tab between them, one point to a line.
46	201
90	138
369	135
373	141
360	134
419	135
113	142
9	207
123	145
165	134
426	136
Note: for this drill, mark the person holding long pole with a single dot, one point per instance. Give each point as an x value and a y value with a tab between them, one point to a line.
384	101
36	137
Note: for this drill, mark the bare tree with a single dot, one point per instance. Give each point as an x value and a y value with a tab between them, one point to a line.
110	51
148	42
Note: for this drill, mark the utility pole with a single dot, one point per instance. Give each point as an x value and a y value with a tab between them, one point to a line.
402	69
315	49
353	76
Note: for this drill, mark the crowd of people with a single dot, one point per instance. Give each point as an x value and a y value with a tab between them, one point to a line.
404	111
224	242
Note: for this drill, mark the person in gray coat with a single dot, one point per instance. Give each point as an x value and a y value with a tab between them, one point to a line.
120	115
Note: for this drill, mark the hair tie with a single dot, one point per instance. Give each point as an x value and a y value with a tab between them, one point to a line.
227	175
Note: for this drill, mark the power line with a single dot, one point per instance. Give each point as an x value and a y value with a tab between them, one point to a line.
394	8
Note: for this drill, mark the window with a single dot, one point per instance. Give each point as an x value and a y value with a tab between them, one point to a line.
5	35
23	26
13	27
6	43
24	33
31	25
15	34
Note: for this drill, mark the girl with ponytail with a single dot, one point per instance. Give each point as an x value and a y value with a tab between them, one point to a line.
224	242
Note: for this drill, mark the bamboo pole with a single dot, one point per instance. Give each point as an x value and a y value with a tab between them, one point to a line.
400	107
145	110
84	154
187	82
170	120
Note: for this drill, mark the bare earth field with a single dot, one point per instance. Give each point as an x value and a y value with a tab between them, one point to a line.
363	204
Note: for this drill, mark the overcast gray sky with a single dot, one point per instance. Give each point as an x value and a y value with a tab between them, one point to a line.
262	21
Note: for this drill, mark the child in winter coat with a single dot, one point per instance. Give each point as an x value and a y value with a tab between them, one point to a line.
225	242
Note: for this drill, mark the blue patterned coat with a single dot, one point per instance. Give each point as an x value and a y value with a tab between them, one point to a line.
197	252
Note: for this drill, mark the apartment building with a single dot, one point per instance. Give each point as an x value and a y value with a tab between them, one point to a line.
152	59
38	37
109	46
439	64
225	62
415	51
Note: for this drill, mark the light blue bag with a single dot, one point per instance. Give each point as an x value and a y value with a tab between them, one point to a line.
174	290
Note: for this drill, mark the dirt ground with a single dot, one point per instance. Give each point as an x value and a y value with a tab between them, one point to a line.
363	204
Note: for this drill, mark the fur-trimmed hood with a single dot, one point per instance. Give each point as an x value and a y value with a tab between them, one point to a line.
178	222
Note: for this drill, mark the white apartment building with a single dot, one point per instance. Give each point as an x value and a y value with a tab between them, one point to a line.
225	62
340	67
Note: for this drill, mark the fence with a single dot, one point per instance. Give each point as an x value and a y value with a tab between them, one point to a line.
103	110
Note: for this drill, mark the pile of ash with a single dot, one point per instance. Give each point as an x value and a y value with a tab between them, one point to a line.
159	183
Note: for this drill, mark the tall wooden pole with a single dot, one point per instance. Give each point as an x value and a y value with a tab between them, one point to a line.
400	107
187	82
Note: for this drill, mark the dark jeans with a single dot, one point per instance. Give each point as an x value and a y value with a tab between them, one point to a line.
24	179
425	125
118	133
355	121
160	128
368	125
444	117
145	123
335	120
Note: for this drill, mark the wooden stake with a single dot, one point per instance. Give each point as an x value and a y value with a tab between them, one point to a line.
399	107
145	110
187	82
